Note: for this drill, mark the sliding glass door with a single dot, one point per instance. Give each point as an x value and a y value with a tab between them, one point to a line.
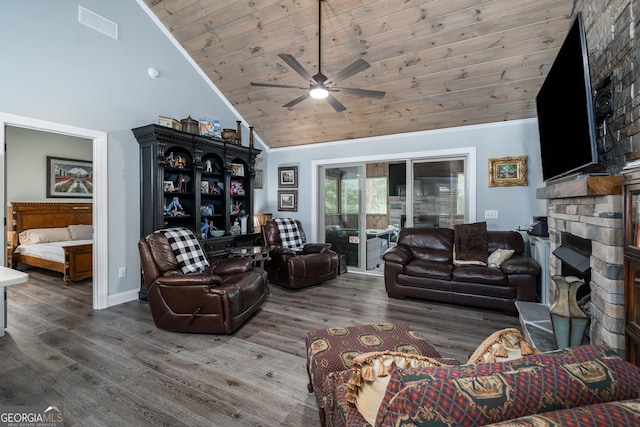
366	204
343	210
438	193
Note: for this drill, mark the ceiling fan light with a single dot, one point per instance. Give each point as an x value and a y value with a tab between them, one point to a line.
319	93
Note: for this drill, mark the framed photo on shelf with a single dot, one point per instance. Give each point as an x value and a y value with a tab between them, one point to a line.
69	178
237	169
288	200
258	180
508	171
288	176
204	187
209	127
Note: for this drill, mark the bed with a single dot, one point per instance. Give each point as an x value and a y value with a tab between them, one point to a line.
45	245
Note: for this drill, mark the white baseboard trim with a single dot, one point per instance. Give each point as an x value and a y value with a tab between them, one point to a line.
122	297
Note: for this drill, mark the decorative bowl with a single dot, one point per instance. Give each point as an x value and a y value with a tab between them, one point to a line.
217	233
229	135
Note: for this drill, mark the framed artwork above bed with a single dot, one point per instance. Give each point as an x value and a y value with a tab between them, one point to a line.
69	178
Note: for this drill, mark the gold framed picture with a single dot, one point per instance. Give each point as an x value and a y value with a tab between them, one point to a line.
258	179
508	171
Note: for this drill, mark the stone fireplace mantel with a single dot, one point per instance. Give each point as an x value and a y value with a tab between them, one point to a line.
591	208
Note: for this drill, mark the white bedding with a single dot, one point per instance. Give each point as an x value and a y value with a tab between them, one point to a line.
50	251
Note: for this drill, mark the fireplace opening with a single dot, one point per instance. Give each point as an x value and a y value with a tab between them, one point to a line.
575	255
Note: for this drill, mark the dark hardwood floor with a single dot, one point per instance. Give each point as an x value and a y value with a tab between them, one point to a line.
113	367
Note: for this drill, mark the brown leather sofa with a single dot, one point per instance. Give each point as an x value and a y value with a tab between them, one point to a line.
422	266
218	301
294	269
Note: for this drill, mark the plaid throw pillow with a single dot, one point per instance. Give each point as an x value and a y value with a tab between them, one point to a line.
186	248
290	235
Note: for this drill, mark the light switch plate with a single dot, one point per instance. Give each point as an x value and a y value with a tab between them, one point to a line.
491	214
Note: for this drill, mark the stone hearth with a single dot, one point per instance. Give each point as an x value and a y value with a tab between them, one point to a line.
591	208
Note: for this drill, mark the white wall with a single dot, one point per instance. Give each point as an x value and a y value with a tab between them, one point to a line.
58	70
516	205
26	155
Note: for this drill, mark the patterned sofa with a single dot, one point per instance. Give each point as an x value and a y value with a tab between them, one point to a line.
585	386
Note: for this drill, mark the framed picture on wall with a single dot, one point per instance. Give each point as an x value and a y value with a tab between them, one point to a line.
258	180
508	171
69	178
288	176
288	200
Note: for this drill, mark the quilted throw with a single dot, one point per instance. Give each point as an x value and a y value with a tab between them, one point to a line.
292	237
493	392
186	248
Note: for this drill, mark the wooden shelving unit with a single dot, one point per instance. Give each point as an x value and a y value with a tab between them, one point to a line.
189	180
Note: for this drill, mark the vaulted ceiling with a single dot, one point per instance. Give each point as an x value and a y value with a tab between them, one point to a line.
442	63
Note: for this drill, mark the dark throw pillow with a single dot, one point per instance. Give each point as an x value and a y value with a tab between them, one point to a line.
471	242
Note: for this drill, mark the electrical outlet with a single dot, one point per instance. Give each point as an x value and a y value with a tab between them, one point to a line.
491	214
122	272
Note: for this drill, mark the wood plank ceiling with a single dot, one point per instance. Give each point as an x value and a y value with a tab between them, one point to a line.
442	63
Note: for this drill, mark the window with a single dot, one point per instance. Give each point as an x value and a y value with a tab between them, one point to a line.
376	196
331	196
350	196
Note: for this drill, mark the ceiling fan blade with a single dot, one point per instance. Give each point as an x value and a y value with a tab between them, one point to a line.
277	85
297	100
360	92
352	69
335	104
293	63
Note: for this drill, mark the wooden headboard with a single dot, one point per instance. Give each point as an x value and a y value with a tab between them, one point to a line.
26	215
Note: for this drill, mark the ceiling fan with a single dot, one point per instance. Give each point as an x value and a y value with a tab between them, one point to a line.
320	85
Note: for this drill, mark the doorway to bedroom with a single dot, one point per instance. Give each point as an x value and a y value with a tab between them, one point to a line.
97	146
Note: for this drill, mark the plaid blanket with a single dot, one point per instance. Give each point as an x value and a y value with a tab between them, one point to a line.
292	237
187	249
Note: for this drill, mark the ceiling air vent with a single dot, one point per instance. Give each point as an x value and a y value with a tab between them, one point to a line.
97	22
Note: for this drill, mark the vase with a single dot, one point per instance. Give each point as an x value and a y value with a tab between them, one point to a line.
189	125
229	135
568	320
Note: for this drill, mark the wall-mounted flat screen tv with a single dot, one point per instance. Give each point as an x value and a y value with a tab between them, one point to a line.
565	110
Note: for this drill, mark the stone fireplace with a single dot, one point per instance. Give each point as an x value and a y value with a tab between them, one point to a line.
591	209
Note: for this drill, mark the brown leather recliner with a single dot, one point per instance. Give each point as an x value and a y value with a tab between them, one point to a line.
217	301
294	269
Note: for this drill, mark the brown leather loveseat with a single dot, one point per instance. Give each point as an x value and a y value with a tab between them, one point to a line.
422	266
218	300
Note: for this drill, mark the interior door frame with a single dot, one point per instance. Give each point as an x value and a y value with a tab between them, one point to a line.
100	193
362	235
